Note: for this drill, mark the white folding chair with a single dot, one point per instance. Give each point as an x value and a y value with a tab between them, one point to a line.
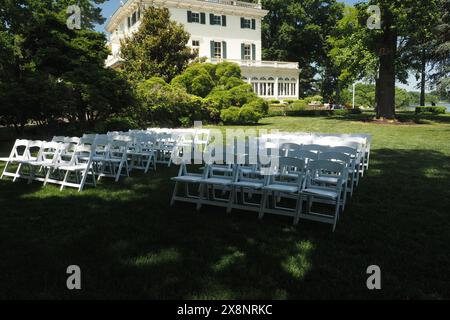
33	153
330	194
19	152
188	178
284	182
246	184
77	170
326	179
47	157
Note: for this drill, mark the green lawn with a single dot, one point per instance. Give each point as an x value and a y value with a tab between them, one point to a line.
130	244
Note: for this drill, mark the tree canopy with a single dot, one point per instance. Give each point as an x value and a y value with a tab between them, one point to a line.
157	49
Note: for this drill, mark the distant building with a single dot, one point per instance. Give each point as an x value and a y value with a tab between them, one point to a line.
221	30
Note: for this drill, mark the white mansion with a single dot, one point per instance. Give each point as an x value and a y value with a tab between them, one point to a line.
220	30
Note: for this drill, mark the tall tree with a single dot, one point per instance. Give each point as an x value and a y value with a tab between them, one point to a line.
391	44
51	73
441	53
297	31
158	49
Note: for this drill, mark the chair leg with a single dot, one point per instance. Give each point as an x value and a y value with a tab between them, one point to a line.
232	199
299	210
200	197
263	205
175	190
4	170
119	171
47	176
64	181
336	215
17	172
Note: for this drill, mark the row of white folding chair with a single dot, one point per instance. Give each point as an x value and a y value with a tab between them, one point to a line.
286	181
71	140
48	157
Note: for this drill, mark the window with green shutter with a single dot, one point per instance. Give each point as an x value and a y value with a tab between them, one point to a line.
253	24
253	52
224	50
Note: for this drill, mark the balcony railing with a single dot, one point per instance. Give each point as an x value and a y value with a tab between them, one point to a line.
243	4
113	59
260	64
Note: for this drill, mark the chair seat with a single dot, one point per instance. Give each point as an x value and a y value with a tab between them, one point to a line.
328	180
141	154
4	159
189	179
40	163
248	184
321	193
249	171
218	181
72	167
281	188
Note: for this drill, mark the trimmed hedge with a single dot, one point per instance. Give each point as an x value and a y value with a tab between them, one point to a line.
432	110
301	112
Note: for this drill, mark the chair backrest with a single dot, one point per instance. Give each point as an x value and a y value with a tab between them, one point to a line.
337	157
88	139
118	149
34	150
346	150
102	144
83	153
287	171
19	149
50	151
306	155
326	167
289	149
315	148
59	139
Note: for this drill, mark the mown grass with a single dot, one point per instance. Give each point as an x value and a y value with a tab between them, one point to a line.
130	244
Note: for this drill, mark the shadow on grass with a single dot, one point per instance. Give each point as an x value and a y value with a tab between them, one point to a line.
130	243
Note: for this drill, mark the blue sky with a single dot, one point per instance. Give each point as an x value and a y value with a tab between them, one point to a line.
109	7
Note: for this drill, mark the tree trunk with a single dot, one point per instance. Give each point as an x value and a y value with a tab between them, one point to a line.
386	86
423	77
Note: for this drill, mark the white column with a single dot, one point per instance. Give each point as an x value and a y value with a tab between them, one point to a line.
276	93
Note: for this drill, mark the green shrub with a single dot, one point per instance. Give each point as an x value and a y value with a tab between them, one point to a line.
120	124
230	115
432	110
164	104
288	101
249	115
312	99
346	112
196	80
276	112
237	96
308	113
277	106
299	105
275	101
259	105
